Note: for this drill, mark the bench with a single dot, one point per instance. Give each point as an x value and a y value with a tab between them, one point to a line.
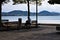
5	21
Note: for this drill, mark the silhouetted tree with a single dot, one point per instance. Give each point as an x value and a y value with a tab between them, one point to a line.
1	1
54	1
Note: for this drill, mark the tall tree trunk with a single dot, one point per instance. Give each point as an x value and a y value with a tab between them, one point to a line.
0	14
28	10
28	24
36	12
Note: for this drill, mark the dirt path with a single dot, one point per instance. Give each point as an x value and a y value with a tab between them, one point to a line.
42	33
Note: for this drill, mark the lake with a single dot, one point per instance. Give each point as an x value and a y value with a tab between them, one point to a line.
41	19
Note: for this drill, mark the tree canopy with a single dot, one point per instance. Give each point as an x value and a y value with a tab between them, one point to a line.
21	1
54	1
25	1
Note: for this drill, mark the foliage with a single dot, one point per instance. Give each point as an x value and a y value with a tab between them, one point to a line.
22	1
54	1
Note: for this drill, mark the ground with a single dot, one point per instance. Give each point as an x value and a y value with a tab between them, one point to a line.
41	33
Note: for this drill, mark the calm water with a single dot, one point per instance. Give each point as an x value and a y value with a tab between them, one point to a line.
41	19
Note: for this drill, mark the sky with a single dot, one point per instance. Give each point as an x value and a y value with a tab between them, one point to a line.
45	6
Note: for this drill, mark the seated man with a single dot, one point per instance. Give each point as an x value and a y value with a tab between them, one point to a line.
28	24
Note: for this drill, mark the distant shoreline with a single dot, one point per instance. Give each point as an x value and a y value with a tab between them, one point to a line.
23	15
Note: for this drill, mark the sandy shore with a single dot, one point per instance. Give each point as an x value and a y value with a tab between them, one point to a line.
41	33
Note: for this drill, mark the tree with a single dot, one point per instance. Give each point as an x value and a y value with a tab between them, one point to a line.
21	1
14	2
54	1
1	1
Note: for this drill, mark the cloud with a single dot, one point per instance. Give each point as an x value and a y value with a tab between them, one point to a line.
45	6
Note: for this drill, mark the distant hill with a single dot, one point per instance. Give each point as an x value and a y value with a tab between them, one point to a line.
25	13
17	13
47	13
